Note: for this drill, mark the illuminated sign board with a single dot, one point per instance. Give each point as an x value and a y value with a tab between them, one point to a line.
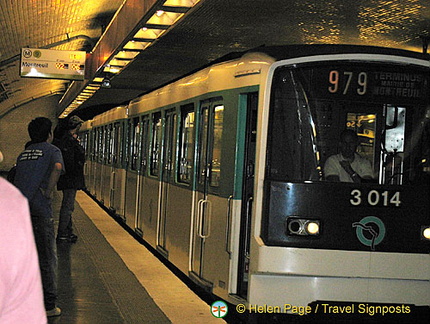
374	82
52	64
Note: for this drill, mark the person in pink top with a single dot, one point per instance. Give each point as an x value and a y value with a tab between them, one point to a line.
21	295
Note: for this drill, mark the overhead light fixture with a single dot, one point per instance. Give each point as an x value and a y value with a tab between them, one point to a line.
92	86
166	18
136	45
119	62
112	69
82	97
90	91
149	33
181	3
128	55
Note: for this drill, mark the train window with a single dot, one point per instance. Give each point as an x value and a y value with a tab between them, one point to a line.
210	142
128	146
186	145
203	145
122	143
215	168
103	144
135	133
96	145
83	137
169	143
100	146
311	106
117	140
364	125
92	144
144	143
109	144
156	144
87	141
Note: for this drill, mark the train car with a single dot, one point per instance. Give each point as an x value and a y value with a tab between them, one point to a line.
226	178
108	131
137	141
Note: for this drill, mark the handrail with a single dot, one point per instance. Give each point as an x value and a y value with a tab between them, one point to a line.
228	227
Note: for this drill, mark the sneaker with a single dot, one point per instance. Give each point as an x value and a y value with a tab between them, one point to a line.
72	238
56	311
62	239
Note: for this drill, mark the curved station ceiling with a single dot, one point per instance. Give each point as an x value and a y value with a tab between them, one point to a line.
135	46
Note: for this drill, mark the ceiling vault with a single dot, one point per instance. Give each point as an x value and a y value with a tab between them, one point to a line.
140	45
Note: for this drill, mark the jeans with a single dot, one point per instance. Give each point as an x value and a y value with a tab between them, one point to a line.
43	228
65	225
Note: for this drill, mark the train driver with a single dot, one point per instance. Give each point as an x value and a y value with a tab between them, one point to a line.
348	165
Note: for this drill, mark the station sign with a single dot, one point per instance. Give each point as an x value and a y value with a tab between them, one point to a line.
52	64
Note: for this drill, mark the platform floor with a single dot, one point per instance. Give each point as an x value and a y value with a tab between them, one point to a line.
109	277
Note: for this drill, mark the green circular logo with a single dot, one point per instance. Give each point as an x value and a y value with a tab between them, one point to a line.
374	228
37	53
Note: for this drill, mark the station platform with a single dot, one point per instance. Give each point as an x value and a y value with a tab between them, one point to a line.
107	276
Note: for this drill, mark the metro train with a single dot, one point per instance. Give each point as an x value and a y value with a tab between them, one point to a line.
222	172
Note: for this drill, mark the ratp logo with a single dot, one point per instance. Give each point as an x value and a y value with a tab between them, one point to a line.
37	54
374	236
219	309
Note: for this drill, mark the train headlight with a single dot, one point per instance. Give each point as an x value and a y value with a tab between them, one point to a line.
425	232
313	228
303	227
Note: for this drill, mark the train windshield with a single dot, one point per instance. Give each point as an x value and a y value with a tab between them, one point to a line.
385	105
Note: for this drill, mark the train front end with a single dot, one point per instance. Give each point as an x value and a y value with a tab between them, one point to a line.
345	241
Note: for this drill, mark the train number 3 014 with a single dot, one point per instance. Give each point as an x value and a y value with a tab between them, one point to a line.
375	198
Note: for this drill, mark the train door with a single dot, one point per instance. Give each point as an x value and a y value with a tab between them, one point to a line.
141	178
167	177
98	180
108	169
131	185
150	199
247	192
117	190
207	175
92	162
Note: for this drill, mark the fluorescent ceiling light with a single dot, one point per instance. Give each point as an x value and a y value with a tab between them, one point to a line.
135	45
164	18
180	3
129	55
115	62
149	33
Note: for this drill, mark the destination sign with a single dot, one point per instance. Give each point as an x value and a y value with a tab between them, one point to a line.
398	84
52	64
369	82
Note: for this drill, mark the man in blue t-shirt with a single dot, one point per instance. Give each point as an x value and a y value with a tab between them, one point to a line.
38	168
